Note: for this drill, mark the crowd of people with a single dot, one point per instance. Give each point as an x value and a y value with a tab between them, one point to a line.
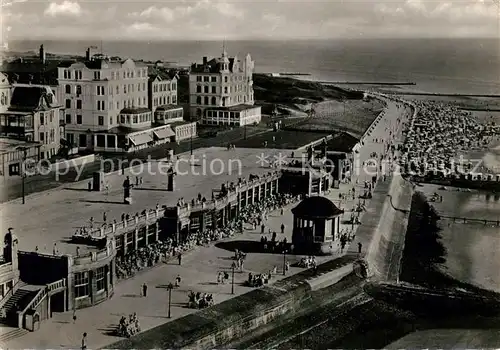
200	300
129	326
138	259
439	134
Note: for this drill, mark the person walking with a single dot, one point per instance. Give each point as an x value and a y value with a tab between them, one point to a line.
144	290
84	341
104	217
282	228
74	315
360	245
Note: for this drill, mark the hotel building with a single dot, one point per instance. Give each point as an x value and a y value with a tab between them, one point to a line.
33	116
221	92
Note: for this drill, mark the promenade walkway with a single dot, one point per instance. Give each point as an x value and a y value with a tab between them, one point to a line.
50	214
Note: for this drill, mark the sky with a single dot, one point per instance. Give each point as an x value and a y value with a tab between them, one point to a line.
240	19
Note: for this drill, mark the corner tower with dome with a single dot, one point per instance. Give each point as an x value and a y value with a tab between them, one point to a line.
316	223
221	91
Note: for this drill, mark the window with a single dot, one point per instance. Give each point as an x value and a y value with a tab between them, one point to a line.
205	89
101	105
100	278
138	86
101	120
198	89
68	103
110	120
143	86
78	118
225	79
97	75
206	79
78	89
65	73
225	90
198	100
51	116
42	119
68	89
78	74
174	86
82	140
206	100
117	104
78	104
198	78
100	90
117	90
112	75
68	118
214	90
213	79
214	101
81	284
42	137
174	100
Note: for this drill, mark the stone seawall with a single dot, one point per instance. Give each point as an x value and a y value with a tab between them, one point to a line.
389	227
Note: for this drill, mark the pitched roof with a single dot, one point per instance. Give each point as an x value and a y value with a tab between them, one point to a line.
316	207
342	142
34	72
29	98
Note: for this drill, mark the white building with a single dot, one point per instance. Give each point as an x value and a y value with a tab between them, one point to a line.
5	92
223	85
95	92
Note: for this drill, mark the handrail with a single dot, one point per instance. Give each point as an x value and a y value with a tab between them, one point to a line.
42	293
57	284
154	214
10	293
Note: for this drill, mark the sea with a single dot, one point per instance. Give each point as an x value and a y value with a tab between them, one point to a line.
467	66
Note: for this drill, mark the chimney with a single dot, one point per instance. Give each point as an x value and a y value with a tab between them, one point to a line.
87	54
42	54
204	60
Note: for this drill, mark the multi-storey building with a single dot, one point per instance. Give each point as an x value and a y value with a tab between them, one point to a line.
162	90
221	91
99	94
33	116
4	92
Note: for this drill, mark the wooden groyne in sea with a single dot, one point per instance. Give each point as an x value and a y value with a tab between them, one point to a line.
409	93
366	83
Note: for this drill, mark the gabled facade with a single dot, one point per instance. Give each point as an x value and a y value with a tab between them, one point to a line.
5	92
220	82
33	115
162	91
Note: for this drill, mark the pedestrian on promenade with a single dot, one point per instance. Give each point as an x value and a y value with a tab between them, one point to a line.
144	290
74	315
360	245
178	281
137	180
89	186
104	217
282	228
84	341
282	211
179	257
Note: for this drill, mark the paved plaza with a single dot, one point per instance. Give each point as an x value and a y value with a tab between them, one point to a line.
52	216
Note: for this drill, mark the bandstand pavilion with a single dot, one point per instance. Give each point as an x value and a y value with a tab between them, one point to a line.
316	223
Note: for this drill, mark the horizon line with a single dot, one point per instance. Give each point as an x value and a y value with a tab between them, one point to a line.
248	39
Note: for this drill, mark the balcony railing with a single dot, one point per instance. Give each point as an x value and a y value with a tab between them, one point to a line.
184	210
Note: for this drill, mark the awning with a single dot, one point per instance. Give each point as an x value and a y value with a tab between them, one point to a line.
164	133
140	139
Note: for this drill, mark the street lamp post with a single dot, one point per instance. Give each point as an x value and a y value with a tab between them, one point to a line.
233	267
191	143
245	131
170	287
284	262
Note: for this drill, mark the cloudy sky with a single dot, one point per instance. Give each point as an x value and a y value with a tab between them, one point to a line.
244	19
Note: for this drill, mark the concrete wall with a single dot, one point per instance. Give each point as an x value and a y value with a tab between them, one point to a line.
386	248
330	278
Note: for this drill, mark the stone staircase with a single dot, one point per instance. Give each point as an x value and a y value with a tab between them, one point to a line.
17	302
